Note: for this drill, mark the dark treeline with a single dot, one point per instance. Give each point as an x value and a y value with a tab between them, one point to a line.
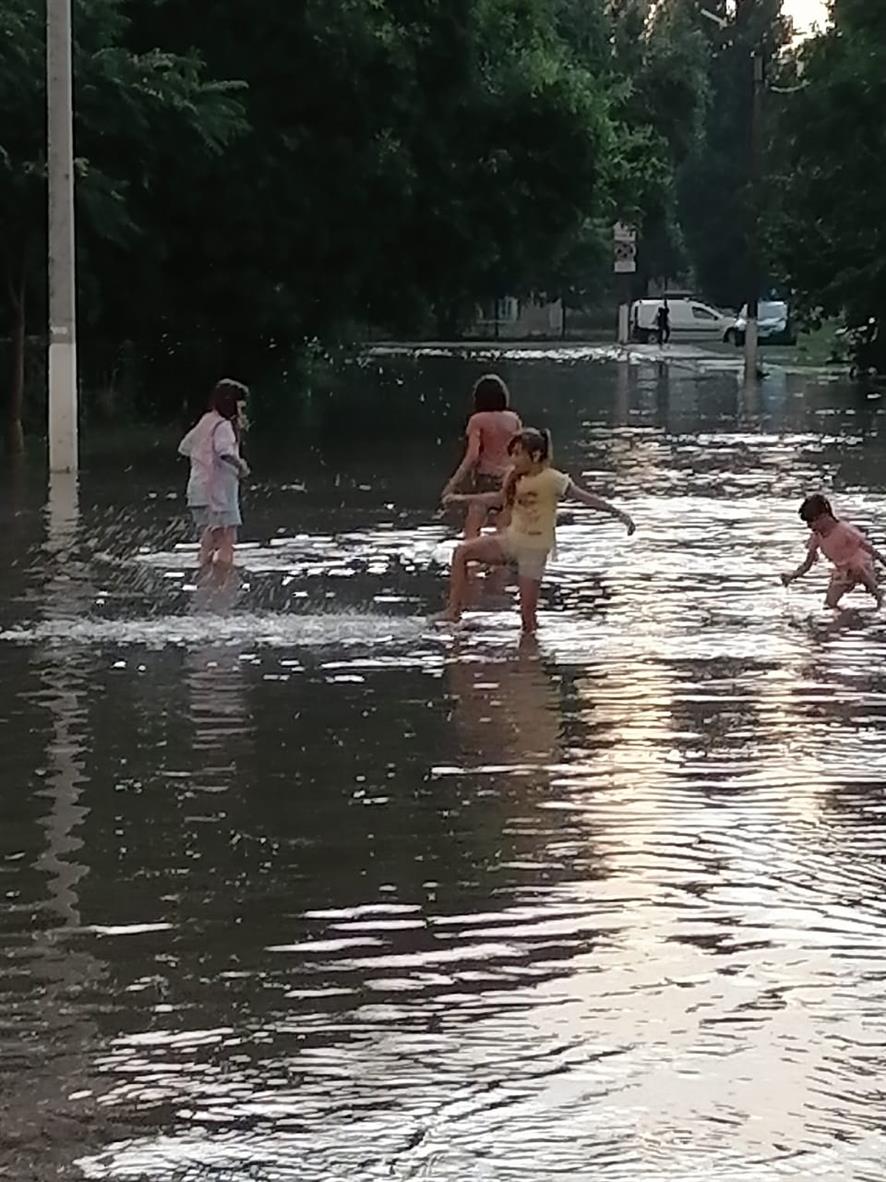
254	178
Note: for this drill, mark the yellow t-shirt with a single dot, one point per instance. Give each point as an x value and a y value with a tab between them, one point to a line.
534	515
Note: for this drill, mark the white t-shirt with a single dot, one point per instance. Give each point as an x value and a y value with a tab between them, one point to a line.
204	445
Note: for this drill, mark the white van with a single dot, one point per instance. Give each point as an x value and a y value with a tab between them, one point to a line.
690	319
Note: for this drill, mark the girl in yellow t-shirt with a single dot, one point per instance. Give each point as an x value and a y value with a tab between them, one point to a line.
531	492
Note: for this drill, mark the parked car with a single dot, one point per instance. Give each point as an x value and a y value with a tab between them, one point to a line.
773	325
689	318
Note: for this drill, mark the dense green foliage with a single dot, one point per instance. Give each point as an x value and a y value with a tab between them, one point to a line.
138	114
829	150
716	202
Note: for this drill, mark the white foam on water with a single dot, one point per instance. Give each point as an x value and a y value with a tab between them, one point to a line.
272	630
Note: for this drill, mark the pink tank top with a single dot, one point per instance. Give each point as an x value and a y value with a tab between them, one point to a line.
494	430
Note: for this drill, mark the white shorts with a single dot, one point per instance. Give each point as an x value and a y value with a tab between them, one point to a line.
530	561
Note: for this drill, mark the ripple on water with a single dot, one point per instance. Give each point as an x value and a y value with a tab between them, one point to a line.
274	630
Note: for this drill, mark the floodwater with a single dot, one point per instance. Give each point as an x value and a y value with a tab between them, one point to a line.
296	888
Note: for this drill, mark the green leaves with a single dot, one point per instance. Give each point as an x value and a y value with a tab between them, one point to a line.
829	156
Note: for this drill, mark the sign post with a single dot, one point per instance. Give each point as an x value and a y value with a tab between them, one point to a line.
624	254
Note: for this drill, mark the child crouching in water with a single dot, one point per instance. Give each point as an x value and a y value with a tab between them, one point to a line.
848	549
531	492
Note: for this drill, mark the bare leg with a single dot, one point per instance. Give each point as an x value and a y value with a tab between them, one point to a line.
839	586
486	550
868	580
207	546
475	520
227	537
529	592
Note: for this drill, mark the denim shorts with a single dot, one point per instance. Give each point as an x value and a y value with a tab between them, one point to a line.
199	516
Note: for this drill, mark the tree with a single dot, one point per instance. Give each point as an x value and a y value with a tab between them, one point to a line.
406	160
829	236
652	62
716	204
663	58
130	108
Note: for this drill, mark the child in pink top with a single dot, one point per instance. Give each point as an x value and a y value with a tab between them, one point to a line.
848	549
491	428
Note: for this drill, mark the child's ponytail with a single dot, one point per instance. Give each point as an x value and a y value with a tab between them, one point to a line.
509	488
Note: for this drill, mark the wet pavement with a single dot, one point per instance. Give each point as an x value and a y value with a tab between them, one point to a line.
298	888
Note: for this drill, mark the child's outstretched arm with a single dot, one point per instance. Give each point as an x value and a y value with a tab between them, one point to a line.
875	554
600	505
803	569
492	500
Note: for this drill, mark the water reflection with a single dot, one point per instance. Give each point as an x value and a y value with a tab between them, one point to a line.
57	1089
219	709
66	598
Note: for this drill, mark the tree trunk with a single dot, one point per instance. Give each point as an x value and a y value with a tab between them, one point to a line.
15	436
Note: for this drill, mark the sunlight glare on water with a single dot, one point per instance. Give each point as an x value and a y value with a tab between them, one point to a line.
301	888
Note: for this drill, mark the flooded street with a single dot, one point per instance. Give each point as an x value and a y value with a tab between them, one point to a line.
297	888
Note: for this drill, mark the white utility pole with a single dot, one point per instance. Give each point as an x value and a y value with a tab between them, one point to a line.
751	336
63	451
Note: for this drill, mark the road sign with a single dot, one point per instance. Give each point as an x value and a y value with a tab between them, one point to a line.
625	258
624	246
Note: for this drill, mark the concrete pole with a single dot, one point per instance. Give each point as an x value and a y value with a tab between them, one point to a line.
623	286
63	450
751	337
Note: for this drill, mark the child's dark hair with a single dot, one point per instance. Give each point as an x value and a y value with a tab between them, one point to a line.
538	444
226	395
814	507
534	442
491	393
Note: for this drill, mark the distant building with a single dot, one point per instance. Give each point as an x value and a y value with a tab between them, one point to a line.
511	319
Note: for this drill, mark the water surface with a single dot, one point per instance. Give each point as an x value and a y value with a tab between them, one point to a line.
298	888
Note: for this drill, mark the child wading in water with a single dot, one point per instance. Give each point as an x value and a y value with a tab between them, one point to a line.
213	447
491	428
531	493
848	549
